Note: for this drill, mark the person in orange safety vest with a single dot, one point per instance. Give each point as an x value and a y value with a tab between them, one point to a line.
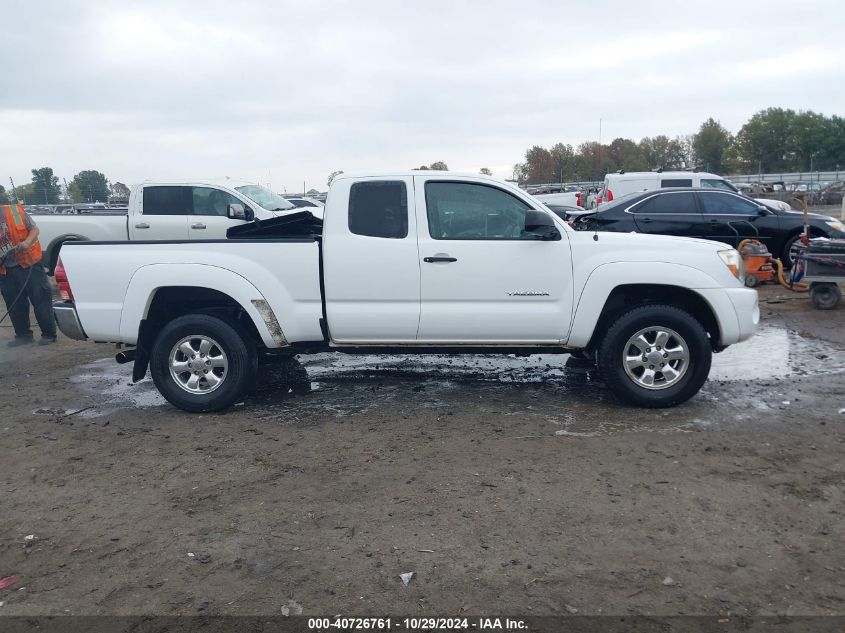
23	280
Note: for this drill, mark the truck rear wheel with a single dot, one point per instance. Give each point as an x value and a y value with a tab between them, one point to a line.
655	356
201	363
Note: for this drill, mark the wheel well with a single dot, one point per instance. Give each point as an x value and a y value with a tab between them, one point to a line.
174	301
622	298
52	252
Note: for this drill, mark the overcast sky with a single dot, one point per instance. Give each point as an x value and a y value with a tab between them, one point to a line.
282	92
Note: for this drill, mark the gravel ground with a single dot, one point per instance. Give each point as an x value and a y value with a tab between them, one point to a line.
505	485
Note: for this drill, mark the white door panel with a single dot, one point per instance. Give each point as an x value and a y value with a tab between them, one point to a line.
497	290
372	282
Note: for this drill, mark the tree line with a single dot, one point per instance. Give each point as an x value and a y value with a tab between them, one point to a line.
773	140
87	186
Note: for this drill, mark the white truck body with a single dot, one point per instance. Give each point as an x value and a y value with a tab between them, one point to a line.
181	222
434	284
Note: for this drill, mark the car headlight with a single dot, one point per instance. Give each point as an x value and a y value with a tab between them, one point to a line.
733	260
836	225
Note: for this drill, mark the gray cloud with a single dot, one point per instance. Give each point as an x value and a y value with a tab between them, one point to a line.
291	91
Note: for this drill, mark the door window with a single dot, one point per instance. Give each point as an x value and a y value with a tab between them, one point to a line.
716	183
726	204
676	182
682	202
379	209
167	200
463	211
209	201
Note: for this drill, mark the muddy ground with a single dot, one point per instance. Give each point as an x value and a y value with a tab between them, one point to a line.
512	486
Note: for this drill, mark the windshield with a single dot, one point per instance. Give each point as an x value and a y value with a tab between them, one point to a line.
717	183
265	198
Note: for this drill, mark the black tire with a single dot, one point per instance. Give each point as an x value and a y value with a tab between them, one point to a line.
825	296
751	280
786	256
240	355
614	346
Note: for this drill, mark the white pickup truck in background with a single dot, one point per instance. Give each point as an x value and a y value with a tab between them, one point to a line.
428	262
186	210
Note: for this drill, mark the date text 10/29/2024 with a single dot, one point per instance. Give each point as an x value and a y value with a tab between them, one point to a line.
416	624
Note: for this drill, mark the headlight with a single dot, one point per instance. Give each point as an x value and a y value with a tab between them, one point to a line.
836	225
733	260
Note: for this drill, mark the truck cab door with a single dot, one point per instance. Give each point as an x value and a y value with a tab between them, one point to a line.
209	219
160	213
484	280
371	267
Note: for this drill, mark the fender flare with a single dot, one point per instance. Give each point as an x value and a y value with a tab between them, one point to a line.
147	280
605	278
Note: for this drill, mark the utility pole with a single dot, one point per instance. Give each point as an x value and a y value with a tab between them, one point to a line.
14	191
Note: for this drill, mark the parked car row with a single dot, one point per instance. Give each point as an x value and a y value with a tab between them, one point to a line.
713	214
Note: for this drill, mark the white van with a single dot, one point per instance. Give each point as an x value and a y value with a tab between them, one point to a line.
622	183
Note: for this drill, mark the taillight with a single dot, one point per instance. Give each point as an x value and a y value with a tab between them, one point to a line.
599	200
578	199
62	281
609	195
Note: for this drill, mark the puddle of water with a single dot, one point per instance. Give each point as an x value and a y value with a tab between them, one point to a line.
349	385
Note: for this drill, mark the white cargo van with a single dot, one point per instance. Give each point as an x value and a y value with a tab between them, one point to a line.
622	183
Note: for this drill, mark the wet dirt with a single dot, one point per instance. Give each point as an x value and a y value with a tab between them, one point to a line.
507	484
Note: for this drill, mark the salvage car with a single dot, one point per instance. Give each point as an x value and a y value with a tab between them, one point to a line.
437	263
709	214
184	210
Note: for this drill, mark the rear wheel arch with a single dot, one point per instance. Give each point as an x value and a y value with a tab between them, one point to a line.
624	297
172	302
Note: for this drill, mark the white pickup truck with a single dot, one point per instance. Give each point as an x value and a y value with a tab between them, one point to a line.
185	210
428	262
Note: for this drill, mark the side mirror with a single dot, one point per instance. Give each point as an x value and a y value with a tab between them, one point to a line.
541	226
237	212
763	210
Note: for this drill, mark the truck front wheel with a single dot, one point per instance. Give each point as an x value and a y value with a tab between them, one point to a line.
202	363
655	356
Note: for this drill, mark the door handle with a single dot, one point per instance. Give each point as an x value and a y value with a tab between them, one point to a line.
198	225
432	260
142	225
645	220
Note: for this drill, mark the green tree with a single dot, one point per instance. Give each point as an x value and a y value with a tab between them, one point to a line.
763	142
627	155
119	190
4	197
46	189
710	144
439	165
89	186
539	166
661	152
484	171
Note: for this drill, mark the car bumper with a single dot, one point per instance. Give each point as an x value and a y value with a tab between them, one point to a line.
68	320
747	308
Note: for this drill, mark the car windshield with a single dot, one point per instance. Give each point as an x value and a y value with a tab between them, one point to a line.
265	198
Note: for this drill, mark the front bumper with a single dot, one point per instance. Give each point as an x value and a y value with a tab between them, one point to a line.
68	320
746	305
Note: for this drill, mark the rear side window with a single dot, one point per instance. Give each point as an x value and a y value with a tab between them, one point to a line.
668	203
726	204
716	183
676	182
167	201
379	209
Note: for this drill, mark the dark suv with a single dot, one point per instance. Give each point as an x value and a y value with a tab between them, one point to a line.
709	214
